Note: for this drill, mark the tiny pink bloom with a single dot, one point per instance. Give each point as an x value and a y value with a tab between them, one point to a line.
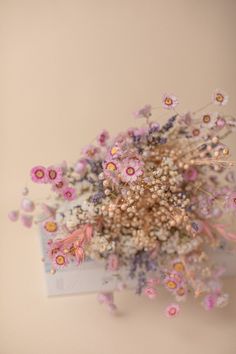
172	310
151	282
38	174
105	298
220	122
150	292
231	200
54	174
27	220
27	205
190	175
90	151
209	302
169	101
60	260
113	263
58	187
81	166
13	215
48	211
115	151
69	193
144	112
103	137
111	167
131	170
220	98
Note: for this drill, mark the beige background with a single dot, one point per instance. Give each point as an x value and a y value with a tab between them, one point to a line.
68	69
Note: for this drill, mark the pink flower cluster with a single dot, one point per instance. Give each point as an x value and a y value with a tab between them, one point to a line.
53	175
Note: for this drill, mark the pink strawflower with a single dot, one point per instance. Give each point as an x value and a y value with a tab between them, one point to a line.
190	174
54	174
60	260
144	112
111	167
69	193
113	263
27	205
103	137
231	200
39	174
131	170
13	215
169	101
115	151
27	220
172	310
150	292
220	98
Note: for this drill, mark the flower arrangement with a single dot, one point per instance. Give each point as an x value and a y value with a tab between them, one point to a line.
152	199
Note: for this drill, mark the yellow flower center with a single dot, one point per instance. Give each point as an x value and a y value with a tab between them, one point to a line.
219	97
171	284
168	101
60	260
39	173
130	171
52	174
179	267
111	166
114	150
206	118
50	226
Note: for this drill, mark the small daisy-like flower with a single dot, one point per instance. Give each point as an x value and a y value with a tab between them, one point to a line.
171	284
178	266
144	112
196	133
190	174
69	193
58	187
150	292
54	174
115	151
208	120
169	101
60	260
111	169
90	151
50	226
103	137
131	170
231	200
172	310
39	174
220	98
